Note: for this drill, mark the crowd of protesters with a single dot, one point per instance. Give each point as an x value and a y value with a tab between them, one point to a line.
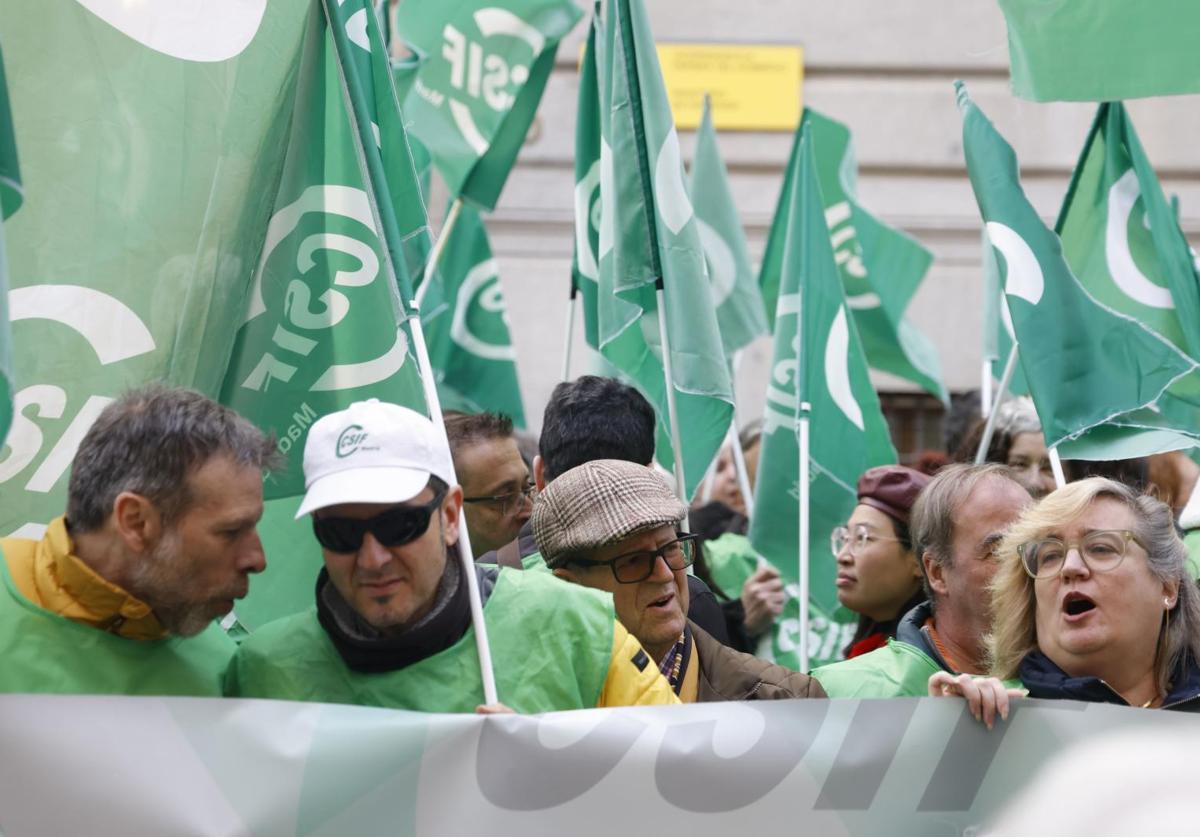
983	581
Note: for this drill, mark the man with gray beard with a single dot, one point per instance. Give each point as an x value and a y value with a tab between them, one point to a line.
159	539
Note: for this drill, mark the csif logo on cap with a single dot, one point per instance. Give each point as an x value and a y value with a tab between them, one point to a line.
350	440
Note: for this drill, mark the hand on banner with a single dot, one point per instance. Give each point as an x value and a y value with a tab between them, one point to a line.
762	599
986	697
493	709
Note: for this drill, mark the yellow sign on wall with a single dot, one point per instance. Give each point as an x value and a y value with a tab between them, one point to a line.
753	88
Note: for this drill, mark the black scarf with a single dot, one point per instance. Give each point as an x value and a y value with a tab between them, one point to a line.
368	650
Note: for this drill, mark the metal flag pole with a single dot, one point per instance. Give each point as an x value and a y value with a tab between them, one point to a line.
1060	478
735	441
989	429
985	388
710	476
372	170
569	339
802	429
672	412
438	247
486	672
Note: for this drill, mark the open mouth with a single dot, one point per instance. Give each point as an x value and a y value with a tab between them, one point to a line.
1077	604
662	602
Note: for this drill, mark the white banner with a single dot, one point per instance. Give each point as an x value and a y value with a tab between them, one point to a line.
177	766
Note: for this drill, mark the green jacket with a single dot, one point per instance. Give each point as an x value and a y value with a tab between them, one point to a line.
896	670
45	652
551	644
899	669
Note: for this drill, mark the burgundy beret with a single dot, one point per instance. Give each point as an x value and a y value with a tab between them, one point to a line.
892	489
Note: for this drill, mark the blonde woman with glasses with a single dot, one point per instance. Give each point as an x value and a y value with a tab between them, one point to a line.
1092	603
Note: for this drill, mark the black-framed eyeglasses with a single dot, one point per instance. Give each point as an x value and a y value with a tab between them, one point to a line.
509	503
633	567
394	527
1102	552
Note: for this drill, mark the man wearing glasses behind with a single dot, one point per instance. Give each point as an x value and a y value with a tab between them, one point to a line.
392	623
612	525
497	488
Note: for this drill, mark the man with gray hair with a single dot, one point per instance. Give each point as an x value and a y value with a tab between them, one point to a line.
159	539
957	523
613	525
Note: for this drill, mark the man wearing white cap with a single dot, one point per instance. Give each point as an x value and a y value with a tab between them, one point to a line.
392	621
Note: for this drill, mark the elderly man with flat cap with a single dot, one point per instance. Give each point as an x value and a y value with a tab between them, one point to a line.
613	526
392	622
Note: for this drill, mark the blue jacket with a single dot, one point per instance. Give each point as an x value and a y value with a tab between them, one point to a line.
1044	679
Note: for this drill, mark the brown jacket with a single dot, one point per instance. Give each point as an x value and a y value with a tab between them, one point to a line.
726	674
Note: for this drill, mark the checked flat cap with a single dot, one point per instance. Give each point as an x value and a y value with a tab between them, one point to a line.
599	503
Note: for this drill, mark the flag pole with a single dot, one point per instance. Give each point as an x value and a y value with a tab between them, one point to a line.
802	429
985	388
710	477
371	162
438	247
989	429
486	672
739	456
569	340
1060	478
672	411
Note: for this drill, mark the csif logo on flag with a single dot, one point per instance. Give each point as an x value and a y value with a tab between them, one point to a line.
484	68
314	308
320	321
113	332
848	253
587	222
480	325
1120	243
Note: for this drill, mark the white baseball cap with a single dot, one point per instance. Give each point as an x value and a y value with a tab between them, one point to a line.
371	452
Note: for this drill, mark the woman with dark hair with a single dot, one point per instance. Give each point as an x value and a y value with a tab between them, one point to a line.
1018	443
879	576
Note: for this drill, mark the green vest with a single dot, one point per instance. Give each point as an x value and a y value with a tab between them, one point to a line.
45	652
551	647
896	670
1191	540
731	560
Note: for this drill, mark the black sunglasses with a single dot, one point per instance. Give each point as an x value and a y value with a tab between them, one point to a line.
394	527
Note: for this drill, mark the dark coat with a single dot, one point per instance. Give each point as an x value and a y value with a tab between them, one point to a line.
726	674
1045	680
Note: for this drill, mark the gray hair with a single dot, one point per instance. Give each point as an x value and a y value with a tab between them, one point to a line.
1014	631
1018	415
937	506
148	442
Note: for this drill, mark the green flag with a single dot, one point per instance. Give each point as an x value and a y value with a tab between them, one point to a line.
816	359
585	270
649	239
466	326
1121	237
475	94
324	326
740	312
159	173
998	337
11	196
1099	50
881	267
1100	379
